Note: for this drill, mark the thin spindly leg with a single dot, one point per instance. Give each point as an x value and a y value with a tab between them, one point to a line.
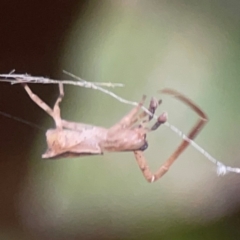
142	163
150	177
55	113
129	119
153	105
56	108
38	100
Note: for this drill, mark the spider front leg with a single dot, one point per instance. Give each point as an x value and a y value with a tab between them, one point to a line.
128	120
149	176
134	116
152	108
141	161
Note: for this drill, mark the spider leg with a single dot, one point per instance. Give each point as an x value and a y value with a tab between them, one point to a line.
56	108
154	103
142	163
152	108
149	176
37	100
55	112
129	119
161	119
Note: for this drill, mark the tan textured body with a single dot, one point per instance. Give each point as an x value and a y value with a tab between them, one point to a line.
86	140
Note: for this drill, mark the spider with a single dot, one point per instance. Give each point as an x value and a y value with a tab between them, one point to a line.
71	139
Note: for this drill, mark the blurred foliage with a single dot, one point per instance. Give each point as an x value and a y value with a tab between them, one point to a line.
190	46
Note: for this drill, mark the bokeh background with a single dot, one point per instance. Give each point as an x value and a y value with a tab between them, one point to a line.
190	46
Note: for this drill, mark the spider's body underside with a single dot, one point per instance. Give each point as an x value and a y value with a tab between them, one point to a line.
91	140
71	139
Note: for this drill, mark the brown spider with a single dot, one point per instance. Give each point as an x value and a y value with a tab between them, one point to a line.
71	139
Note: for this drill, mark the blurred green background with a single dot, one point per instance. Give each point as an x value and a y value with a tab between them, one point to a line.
190	46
